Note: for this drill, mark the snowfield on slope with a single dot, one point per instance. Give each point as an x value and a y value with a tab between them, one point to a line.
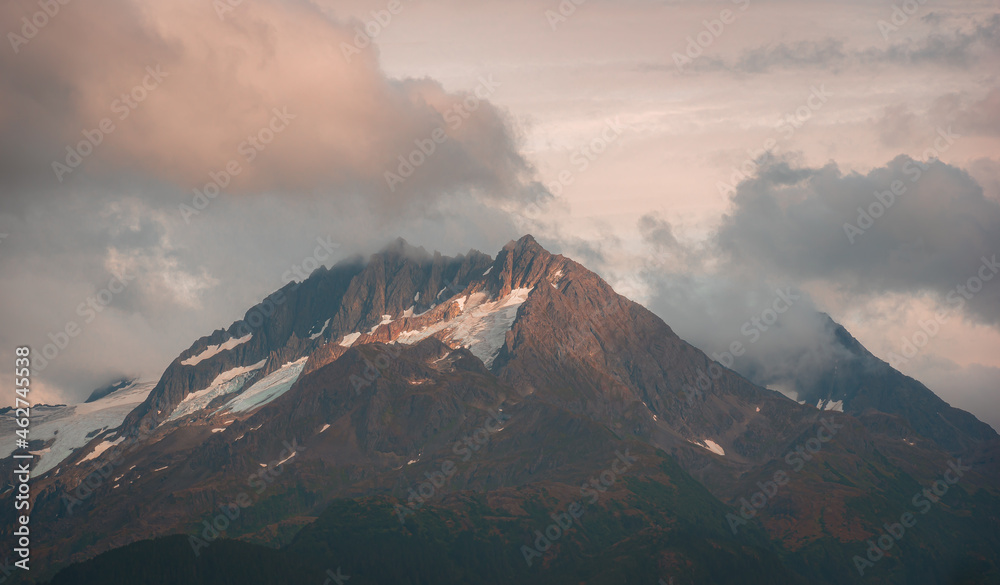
70	425
225	383
268	388
212	350
482	325
837	405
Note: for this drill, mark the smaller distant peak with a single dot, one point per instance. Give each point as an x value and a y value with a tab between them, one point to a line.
111	388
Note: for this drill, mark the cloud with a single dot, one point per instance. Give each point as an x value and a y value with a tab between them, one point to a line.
288	94
932	238
964	46
765	328
896	126
785	232
980	117
900	126
969	44
184	92
805	54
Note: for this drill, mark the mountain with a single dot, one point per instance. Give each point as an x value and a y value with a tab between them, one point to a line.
424	419
56	432
115	386
864	383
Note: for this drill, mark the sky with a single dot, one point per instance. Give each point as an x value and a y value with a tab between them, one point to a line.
163	166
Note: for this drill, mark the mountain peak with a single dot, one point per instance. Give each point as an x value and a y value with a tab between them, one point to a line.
525	242
400	247
521	264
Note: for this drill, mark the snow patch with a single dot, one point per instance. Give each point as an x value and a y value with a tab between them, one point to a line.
714	447
268	388
482	326
386	319
758	409
488	270
710	445
286	458
416	334
349	339
218	430
73	424
101	448
324	428
837	405
485	328
321	331
225	383
161	468
215	349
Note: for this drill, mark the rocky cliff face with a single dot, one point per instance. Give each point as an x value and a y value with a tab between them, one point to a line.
302	317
